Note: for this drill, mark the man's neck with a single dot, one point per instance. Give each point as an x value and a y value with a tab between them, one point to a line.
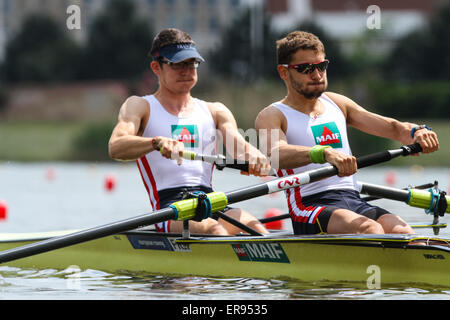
175	103
301	103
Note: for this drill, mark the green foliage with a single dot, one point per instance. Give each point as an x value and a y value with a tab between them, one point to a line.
92	142
424	99
42	52
2	93
118	43
37	141
362	143
116	48
236	57
423	54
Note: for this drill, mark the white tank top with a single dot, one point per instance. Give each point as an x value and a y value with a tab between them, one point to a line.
197	131
330	129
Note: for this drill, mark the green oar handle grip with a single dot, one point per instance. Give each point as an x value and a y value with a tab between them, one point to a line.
189	155
185	209
384	156
424	199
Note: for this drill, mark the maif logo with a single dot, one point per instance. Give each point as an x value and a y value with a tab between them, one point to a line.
188	134
261	252
327	134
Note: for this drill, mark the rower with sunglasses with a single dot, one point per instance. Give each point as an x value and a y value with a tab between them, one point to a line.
154	130
310	124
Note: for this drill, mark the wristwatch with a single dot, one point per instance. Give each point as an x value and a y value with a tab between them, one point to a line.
155	144
422	126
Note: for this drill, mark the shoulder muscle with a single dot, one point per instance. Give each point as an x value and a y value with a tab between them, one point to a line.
270	118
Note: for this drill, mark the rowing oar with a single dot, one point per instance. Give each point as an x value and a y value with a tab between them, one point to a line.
186	209
422	186
432	200
428	225
221	161
370	198
414	226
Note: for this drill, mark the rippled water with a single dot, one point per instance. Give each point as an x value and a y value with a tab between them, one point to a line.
16	283
73	196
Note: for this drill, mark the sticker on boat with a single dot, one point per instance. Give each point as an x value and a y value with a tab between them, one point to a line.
157	243
262	252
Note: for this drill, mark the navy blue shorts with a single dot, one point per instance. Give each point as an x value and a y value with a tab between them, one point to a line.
328	202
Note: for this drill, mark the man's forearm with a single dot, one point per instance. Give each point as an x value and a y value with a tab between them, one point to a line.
289	156
128	148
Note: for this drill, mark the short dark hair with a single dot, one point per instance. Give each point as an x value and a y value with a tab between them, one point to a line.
294	41
167	37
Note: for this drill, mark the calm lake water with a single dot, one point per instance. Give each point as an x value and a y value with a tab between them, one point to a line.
58	196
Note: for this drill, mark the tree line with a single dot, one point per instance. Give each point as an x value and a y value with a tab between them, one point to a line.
116	46
412	78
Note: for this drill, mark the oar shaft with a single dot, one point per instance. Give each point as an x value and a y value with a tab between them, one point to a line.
275	218
314	175
86	235
387	155
423	186
385	192
190	155
362	162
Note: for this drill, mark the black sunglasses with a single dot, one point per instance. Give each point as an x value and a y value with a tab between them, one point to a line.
307	68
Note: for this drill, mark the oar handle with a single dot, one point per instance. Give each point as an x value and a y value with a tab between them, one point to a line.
387	155
219	160
238	166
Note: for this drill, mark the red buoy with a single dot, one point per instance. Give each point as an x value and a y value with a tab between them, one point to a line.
274	225
390	178
50	174
110	182
3	210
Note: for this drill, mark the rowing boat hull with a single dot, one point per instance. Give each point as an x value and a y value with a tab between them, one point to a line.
308	258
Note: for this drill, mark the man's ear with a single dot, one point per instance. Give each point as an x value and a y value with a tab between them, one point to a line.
282	72
156	67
